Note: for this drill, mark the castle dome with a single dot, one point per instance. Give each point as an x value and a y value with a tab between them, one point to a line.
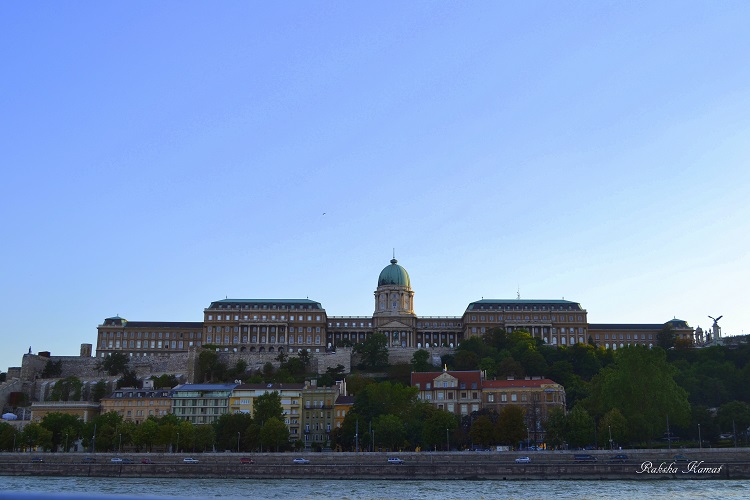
394	275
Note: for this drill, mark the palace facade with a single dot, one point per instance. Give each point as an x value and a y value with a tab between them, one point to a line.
290	325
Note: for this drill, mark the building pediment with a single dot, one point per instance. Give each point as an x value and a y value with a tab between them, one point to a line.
394	325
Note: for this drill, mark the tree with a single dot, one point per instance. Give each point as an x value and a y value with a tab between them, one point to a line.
114	363
373	352
420	361
129	379
67	389
437	426
60	424
665	337
613	424
389	431
52	369
34	435
228	427
734	417
204	437
146	434
555	428
166	381
274	433
511	425
466	360
580	426
304	357
482	431
9	436
99	391
268	406
641	385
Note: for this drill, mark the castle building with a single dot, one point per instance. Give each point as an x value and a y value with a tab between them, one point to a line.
290	325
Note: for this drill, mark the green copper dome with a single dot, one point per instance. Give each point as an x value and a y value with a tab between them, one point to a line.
394	275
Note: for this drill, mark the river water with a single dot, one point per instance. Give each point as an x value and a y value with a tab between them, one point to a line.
24	487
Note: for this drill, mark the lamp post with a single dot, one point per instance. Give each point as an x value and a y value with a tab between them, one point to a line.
178	443
66	442
238	442
700	442
611	446
119	447
447	440
93	441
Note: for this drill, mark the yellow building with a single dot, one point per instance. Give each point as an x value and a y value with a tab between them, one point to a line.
136	405
244	395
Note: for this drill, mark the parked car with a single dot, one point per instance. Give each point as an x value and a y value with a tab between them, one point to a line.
189	460
395	460
523	460
584	457
116	460
88	460
680	458
619	458
301	460
247	460
127	460
146	461
37	460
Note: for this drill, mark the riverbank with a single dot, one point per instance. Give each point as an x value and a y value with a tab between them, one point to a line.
544	465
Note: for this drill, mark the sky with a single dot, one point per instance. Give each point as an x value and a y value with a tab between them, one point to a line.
158	156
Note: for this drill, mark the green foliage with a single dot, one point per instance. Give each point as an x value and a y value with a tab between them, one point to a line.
511	425
8	436
483	431
67	389
613	424
420	361
35	435
580	427
389	431
373	352
129	379
60	424
642	386
52	369
331	375
114	363
268	406
555	428
274	434
99	391
165	381
229	427
434	433
210	369
734	417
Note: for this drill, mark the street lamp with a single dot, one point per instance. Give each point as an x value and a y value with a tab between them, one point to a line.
700	442
178	443
119	448
238	442
66	442
611	446
447	440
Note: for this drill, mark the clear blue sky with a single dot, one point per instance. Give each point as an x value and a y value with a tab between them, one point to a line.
157	156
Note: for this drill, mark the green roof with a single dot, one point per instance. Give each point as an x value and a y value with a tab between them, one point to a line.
394	275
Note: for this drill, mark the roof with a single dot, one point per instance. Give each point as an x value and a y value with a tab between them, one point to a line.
625	326
165	324
204	387
479	304
468	377
270	387
394	275
501	384
345	400
217	304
